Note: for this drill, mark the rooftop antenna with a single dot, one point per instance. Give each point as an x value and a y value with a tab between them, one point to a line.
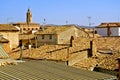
66	22
44	22
89	20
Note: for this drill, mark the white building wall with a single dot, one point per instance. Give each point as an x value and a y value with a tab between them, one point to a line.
114	31
102	31
119	31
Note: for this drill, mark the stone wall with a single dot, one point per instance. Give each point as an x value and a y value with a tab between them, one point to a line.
80	50
66	35
78	56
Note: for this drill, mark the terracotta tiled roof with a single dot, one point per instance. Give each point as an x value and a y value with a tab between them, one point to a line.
54	29
7	27
112	24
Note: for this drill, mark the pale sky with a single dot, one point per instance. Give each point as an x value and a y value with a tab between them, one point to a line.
60	11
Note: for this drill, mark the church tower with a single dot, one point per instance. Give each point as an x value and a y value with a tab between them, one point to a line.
28	16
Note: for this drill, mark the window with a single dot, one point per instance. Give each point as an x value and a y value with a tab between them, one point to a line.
24	28
43	36
50	37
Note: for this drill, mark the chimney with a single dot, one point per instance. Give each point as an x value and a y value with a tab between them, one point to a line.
118	68
108	30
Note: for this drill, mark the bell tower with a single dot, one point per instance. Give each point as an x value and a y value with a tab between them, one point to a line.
29	16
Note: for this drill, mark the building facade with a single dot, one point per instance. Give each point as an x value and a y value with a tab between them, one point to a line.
58	34
109	29
10	33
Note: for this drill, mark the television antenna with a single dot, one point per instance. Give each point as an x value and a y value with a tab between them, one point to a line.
66	22
89	21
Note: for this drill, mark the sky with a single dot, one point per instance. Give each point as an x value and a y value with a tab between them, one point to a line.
61	12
